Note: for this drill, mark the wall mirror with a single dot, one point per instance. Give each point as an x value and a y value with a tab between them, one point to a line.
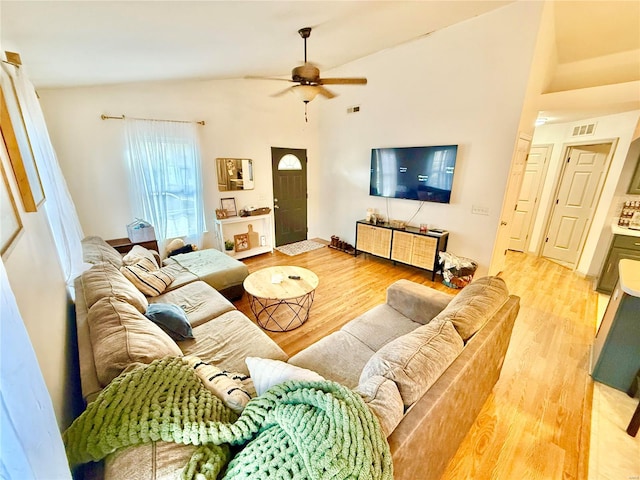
234	174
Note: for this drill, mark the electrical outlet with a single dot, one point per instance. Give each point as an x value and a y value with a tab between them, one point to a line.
479	210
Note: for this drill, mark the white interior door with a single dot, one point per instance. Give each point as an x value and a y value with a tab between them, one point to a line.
533	178
578	194
498	258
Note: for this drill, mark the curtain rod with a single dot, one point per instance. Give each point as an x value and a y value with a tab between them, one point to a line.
122	117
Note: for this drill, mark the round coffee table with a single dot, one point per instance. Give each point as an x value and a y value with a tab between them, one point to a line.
279	302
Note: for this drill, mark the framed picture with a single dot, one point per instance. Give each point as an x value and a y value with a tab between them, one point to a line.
229	204
241	242
10	219
221	213
15	136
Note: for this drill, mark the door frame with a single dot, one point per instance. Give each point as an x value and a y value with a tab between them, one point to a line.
566	147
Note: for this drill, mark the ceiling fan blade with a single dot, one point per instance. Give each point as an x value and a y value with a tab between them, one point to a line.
342	81
324	92
254	77
281	92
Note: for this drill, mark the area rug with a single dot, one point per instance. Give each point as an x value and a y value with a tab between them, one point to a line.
299	247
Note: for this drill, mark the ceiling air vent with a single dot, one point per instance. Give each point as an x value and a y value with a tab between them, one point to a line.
587	129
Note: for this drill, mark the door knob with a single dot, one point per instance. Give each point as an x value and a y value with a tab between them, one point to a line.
503	223
275	200
276	206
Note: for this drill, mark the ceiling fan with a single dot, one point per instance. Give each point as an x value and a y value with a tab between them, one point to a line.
307	77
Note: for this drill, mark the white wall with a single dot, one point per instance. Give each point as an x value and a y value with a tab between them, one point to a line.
38	284
463	85
620	126
242	121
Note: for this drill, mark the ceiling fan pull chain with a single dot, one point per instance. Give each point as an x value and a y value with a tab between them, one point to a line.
306	120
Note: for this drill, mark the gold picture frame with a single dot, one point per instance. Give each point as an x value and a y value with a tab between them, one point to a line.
241	242
14	134
9	216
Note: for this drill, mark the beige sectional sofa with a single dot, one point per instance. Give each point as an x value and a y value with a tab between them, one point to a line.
424	361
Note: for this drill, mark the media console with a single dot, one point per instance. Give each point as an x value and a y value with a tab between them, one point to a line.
409	245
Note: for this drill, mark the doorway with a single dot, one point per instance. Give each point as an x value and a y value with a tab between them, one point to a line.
289	173
584	172
529	197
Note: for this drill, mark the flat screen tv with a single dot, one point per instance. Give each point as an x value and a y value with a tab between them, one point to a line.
414	173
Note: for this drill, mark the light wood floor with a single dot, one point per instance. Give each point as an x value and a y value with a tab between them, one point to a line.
536	423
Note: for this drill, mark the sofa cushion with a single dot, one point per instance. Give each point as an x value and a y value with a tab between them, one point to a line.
339	357
378	326
199	301
105	280
121	335
416	360
147	277
95	250
415	301
227	340
170	318
266	373
383	398
475	304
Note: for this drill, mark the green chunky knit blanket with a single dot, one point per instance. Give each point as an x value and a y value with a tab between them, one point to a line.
296	430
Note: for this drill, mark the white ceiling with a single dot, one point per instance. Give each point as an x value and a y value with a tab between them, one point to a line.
74	43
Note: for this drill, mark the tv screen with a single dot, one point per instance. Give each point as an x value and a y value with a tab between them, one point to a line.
414	173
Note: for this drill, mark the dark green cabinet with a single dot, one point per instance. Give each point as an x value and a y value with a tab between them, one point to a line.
616	350
634	155
634	186
623	246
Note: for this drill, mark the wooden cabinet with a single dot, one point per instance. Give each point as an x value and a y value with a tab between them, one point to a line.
228	228
409	246
374	240
622	246
123	245
416	250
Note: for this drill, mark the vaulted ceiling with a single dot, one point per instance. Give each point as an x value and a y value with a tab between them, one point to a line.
75	43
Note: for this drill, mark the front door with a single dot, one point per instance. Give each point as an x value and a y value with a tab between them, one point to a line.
577	198
289	168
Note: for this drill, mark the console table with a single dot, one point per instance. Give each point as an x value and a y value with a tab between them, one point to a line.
408	245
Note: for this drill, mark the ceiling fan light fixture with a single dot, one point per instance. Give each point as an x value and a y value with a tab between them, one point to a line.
306	92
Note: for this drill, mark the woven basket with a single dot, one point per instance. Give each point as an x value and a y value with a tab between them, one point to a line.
258	211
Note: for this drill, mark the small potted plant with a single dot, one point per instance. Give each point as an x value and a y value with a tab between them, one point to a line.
228	245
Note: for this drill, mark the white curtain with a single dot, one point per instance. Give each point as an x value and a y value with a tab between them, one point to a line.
59	207
165	178
31	446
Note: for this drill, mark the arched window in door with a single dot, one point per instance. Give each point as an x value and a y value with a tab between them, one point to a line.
289	162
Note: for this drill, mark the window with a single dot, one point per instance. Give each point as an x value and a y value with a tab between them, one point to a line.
164	162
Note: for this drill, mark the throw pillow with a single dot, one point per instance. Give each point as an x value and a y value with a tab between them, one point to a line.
383	398
266	373
474	305
416	360
136	254
234	389
147	277
170	318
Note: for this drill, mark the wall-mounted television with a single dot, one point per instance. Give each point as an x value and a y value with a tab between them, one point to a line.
414	173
